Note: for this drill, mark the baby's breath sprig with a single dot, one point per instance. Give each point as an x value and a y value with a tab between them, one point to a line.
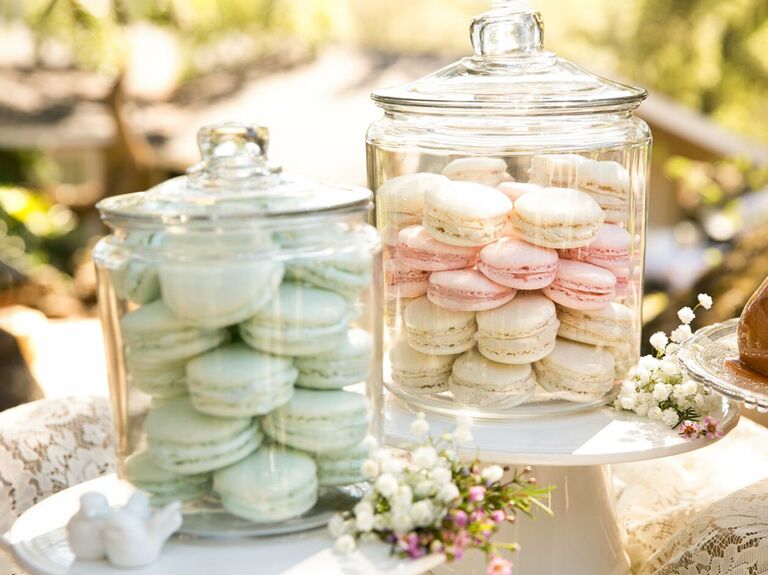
428	501
656	386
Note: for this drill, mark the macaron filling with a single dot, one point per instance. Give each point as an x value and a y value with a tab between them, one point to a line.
461	231
467	291
452	340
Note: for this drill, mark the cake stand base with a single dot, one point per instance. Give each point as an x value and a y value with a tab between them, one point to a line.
582	538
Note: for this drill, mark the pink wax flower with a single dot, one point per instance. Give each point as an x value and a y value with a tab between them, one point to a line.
476	516
476	493
460	518
498	516
499	566
710	427
689	429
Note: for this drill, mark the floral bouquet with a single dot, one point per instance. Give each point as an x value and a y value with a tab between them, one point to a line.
656	388
427	501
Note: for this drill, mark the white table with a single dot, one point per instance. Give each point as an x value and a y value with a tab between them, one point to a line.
38	542
571	452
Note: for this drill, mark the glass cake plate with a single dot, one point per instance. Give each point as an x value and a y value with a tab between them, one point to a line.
711	357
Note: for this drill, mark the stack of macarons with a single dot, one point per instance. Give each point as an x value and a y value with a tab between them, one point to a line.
246	363
485	276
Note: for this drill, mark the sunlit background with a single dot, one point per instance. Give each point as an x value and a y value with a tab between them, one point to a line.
100	97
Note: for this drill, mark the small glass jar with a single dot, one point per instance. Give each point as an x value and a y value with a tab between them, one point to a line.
510	194
243	337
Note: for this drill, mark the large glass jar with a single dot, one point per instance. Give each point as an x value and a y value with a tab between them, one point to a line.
510	194
243	337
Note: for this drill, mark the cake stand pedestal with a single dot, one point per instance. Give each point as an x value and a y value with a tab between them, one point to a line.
38	542
571	452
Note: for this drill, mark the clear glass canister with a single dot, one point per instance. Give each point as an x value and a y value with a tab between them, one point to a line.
243	336
510	194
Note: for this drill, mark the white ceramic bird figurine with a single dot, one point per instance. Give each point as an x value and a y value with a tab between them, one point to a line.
84	530
133	536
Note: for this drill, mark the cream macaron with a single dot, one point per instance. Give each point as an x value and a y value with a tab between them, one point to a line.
608	183
610	325
418	372
557	218
465	213
576	371
400	200
521	331
479	382
438	331
555	170
486	171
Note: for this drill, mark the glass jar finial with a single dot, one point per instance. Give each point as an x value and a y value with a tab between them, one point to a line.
508	31
233	150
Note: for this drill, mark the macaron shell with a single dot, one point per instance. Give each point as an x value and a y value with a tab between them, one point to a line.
346	365
557	218
478	381
401	199
467	290
609	325
610	249
516	190
162	485
419	372
576	372
486	171
583	286
435	330
465	214
420	250
518	264
556	170
608	183
405	281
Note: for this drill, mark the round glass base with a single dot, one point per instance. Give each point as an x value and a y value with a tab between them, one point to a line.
711	357
206	518
542	404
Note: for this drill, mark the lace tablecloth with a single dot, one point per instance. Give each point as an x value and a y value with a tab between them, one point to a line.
678	518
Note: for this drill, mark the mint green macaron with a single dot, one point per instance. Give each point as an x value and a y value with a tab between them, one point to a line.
344	467
237	381
164	486
345	365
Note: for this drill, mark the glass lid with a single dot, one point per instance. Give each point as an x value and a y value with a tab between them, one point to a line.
234	180
510	72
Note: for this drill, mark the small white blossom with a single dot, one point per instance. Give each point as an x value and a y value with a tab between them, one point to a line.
403	496
661	391
681	334
448	492
381	454
337	526
420	427
492	473
670	367
425	457
344	545
386	484
641	409
686	315
369	469
659	341
363	507
644	375
669	417
671	349
393	465
649	363
364	522
424	488
402	522
705	300
690	387
628	386
369	443
463	437
628	402
422	513
382	521
654	412
442	475
446	437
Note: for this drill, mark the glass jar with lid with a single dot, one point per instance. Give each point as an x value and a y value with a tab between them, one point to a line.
510	193
243	336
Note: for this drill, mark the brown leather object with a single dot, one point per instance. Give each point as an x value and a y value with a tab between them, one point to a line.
753	331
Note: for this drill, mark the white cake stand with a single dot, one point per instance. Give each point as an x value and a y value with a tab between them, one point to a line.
38	542
571	452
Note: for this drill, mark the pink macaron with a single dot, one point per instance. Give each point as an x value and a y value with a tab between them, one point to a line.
467	290
622	282
420	250
579	285
518	264
609	250
404	281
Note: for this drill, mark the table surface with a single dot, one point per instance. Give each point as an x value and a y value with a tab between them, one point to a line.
38	542
593	437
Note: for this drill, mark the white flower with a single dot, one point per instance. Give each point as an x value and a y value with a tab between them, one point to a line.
423	488
386	484
669	417
425	457
641	409
337	526
442	475
403	496
644	375
654	412
705	300
628	402
381	521
686	315
402	522
659	341
363	507
672	349
446	437
344	545
381	454
369	469
369	443
492	473
420	427
393	465
364	522
689	387
661	391
670	367
449	492
649	362
681	334
422	513
628	386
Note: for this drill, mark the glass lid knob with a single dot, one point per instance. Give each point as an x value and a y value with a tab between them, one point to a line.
233	150
507	32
